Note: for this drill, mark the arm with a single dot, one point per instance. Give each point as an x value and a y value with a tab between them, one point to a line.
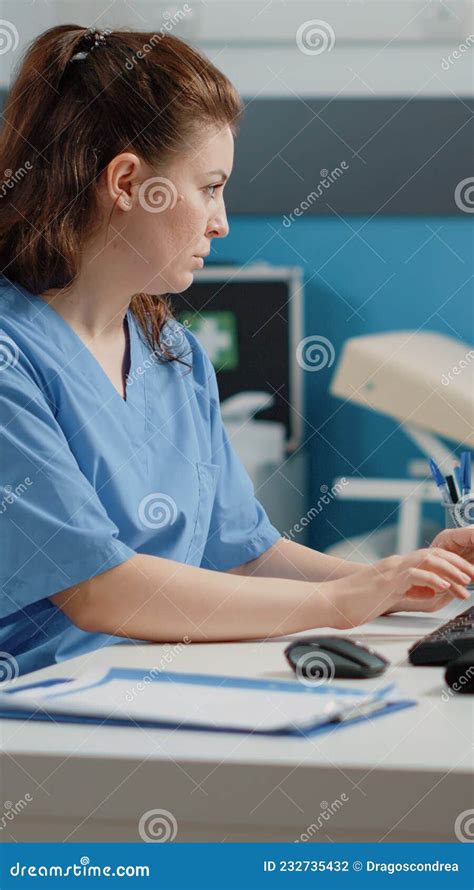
287	559
150	598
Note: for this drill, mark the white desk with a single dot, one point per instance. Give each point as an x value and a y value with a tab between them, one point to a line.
406	776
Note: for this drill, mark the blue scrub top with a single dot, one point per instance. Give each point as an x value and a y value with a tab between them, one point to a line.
88	479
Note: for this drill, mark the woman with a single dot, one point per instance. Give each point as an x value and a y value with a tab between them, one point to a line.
126	514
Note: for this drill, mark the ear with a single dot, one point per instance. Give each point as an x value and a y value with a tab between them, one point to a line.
121	179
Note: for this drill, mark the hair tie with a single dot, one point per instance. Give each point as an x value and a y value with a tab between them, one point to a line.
92	39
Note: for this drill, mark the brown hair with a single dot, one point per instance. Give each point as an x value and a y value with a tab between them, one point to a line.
140	91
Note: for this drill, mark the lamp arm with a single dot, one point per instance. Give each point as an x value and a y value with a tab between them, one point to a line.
431	446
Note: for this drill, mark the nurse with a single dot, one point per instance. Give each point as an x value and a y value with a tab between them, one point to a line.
125	513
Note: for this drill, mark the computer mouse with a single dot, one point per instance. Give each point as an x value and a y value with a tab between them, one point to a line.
325	657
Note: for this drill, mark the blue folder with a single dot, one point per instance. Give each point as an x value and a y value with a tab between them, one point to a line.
137	675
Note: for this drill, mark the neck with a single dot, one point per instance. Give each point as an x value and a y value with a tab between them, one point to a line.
96	312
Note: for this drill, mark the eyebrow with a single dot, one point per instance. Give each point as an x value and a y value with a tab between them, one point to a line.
217	173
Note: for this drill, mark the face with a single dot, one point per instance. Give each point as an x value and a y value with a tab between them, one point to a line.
168	217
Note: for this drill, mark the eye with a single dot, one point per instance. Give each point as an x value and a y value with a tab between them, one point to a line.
218	186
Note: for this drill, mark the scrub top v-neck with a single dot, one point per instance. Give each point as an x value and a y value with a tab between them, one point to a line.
89	478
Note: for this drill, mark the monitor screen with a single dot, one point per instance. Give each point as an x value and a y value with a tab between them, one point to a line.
249	323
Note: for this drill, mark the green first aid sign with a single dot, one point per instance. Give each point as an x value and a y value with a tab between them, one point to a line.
217	332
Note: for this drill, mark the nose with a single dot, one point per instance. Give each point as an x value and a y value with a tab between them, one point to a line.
218	226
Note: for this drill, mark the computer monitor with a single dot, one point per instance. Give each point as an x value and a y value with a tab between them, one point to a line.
249	319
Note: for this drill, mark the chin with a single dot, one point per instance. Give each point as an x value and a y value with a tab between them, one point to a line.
176	285
182	283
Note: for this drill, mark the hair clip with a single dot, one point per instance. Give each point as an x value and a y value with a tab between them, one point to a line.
93	38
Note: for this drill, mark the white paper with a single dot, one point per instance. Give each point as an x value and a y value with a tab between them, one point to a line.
183	703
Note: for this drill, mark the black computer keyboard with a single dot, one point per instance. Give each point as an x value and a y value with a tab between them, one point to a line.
447	642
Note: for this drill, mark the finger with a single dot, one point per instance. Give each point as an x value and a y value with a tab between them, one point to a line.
461	537
421	577
460	592
424	578
455	559
447	570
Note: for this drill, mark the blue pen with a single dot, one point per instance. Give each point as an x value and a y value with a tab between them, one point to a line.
465	473
440	482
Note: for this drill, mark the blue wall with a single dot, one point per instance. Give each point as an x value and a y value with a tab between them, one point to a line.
396	274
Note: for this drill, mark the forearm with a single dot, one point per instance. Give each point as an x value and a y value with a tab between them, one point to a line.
161	600
287	559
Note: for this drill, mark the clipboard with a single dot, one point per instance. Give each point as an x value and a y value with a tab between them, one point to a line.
356	705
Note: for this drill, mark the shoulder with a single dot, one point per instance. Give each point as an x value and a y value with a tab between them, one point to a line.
22	382
24	360
22	375
16	367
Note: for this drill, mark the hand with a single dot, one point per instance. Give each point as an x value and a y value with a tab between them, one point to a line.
457	540
425	579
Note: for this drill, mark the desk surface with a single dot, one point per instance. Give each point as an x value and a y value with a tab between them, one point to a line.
403	777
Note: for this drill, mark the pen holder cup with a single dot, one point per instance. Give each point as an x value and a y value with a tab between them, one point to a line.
460	515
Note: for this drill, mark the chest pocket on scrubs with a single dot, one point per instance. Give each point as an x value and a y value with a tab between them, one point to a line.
207	475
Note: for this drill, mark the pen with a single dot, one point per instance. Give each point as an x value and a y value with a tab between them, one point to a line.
458	477
465	473
440	482
364	709
452	489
